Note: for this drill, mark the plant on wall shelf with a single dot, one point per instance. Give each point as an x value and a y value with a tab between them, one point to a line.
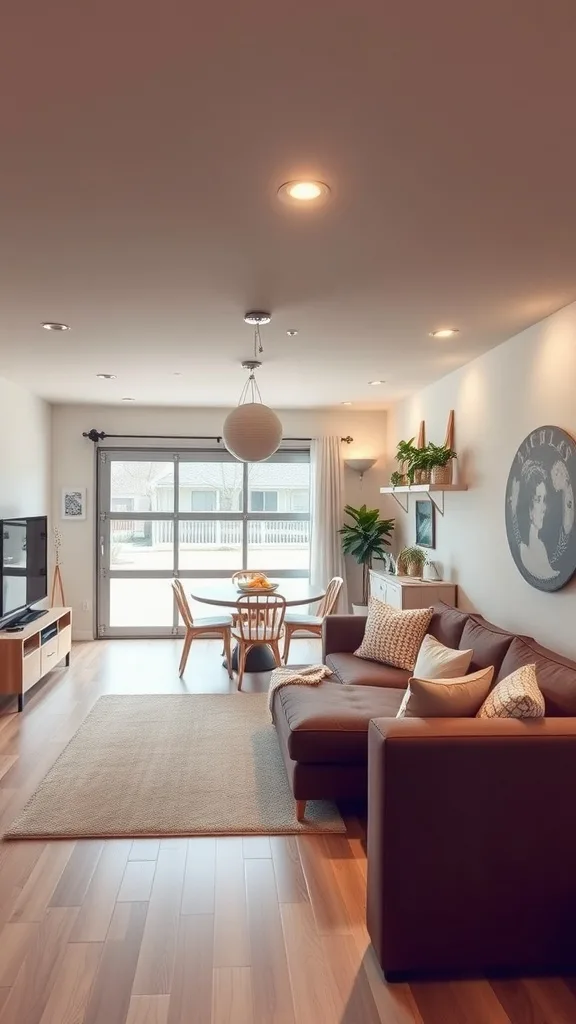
441	458
396	479
365	538
411	561
405	452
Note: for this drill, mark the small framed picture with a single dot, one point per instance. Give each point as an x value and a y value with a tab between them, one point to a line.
425	524
73	503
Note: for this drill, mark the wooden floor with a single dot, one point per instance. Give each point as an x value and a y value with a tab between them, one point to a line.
199	931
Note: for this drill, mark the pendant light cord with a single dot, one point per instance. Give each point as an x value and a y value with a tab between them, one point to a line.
250	391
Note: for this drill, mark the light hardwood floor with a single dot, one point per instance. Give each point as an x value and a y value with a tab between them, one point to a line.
199	931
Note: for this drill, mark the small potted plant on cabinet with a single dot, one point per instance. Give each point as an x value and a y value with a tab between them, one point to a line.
411	562
365	538
441	458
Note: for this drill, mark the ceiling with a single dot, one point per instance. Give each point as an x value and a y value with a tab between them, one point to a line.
143	145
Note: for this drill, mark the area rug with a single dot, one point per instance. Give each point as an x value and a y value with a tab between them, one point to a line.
171	765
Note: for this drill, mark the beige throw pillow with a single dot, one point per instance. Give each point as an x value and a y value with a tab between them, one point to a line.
516	696
446	698
435	661
394	637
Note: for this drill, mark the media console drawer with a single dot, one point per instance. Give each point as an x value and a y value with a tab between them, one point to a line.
49	655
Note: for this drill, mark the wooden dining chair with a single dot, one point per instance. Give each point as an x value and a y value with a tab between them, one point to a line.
260	620
311	625
215	625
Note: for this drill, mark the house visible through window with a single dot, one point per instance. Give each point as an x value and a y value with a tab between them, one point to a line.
202	501
263	501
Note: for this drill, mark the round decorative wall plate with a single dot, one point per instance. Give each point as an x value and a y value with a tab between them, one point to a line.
540	508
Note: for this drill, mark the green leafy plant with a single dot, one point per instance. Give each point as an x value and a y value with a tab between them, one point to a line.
413	558
440	455
396	479
405	454
365	538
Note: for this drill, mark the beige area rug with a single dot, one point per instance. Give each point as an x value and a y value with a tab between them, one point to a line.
171	765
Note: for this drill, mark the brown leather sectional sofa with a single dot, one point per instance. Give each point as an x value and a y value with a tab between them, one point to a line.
471	823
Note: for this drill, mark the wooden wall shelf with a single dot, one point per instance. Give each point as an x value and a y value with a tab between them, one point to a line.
27	656
423	490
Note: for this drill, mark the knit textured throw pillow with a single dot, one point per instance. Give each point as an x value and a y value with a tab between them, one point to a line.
394	637
516	696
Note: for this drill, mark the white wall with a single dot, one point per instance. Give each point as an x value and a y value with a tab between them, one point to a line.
25	426
498	399
74	465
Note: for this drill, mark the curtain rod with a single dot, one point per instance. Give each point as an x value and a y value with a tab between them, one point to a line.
101	435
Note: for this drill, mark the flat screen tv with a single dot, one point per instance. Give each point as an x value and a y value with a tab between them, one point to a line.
23	564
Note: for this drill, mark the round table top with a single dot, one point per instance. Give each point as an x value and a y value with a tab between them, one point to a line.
226	594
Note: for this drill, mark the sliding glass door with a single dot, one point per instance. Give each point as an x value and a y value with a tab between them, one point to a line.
197	515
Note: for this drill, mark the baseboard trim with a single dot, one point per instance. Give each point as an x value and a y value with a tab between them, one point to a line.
79	635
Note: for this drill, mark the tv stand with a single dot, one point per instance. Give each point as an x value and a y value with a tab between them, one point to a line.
27	656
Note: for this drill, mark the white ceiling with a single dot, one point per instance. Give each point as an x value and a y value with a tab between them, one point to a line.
143	144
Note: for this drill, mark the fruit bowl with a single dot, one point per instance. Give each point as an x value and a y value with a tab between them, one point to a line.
257	584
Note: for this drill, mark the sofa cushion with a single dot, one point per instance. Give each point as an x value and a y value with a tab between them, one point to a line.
329	723
447	624
488	642
556	675
446	698
348	668
393	636
516	696
436	661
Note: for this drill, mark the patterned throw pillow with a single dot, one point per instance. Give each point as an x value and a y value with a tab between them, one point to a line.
516	696
435	661
446	698
394	637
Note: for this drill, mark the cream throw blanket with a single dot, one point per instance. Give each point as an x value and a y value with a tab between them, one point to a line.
310	676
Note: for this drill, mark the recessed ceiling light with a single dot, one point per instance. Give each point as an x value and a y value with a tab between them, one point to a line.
292	333
303	192
373	383
128	399
444	332
345	403
106	376
55	327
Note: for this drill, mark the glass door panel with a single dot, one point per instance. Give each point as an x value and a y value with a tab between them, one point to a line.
141	545
144	485
137	604
210	545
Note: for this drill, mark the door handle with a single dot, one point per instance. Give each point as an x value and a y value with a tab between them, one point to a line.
102	546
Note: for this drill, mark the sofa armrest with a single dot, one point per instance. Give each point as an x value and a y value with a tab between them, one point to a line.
472	845
342	634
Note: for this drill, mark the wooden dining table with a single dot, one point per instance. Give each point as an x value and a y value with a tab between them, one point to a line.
225	594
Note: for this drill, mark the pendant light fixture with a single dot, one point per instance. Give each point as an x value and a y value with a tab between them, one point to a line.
252	432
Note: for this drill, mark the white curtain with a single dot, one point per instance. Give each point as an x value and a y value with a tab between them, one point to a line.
327	509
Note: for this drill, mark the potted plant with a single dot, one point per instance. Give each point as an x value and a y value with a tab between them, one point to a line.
411	562
365	538
441	458
405	452
421	464
396	479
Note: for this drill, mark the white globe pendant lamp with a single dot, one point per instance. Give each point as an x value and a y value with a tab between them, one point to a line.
252	432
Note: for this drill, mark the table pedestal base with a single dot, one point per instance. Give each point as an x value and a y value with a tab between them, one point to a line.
259	659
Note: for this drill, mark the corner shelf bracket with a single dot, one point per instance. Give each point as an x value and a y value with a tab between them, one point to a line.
398	502
439	506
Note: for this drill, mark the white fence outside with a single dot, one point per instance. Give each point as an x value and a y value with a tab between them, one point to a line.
215	533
